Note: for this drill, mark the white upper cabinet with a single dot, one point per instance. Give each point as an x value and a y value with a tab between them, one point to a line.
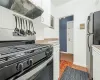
37	2
46	6
0	16
45	17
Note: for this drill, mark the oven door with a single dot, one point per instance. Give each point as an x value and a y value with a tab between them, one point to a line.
46	73
38	72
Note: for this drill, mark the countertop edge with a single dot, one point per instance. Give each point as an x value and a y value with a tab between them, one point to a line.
96	48
46	40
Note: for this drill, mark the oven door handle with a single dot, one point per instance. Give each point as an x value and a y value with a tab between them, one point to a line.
35	70
15	77
21	72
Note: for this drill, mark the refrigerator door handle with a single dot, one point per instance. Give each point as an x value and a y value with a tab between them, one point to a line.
88	22
88	42
88	27
88	39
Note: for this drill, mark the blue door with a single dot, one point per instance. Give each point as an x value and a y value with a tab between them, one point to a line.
63	32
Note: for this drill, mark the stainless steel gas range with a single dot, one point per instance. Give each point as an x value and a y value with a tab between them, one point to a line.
18	60
20	57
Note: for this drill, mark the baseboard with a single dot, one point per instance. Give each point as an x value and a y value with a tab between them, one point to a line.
80	64
62	52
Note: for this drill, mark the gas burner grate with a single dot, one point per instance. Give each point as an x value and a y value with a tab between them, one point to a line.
13	49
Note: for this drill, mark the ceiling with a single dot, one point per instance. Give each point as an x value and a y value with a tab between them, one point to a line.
59	2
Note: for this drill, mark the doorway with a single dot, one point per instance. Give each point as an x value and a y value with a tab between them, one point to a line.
66	41
66	38
64	25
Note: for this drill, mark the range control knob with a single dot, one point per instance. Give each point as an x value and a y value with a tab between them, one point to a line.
47	53
51	50
30	62
20	67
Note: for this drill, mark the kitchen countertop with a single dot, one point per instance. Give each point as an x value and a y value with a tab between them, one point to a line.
47	40
96	48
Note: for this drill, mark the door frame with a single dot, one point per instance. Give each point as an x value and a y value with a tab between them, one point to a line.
66	29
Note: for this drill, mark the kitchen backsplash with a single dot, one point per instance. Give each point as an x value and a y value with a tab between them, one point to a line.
39	28
42	31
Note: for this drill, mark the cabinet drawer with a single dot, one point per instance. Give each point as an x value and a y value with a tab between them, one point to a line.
56	61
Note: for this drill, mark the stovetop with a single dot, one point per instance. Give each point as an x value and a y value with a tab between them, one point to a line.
11	50
22	58
15	52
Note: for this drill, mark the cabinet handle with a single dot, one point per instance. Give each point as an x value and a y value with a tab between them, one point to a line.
42	19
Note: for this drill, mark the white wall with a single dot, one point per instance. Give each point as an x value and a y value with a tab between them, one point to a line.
7	21
39	28
80	9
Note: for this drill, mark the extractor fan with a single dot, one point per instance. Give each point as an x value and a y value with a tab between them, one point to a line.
24	7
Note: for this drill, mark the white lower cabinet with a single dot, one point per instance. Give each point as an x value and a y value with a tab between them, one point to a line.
96	63
56	61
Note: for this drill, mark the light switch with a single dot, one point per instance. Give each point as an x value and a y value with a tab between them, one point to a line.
82	26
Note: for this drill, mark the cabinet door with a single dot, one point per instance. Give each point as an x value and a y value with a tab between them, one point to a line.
39	3
96	60
33	1
45	19
56	62
96	65
0	16
36	2
46	6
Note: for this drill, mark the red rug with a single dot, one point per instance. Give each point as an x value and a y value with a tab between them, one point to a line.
63	65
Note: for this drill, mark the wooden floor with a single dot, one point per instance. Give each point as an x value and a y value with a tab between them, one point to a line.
67	60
